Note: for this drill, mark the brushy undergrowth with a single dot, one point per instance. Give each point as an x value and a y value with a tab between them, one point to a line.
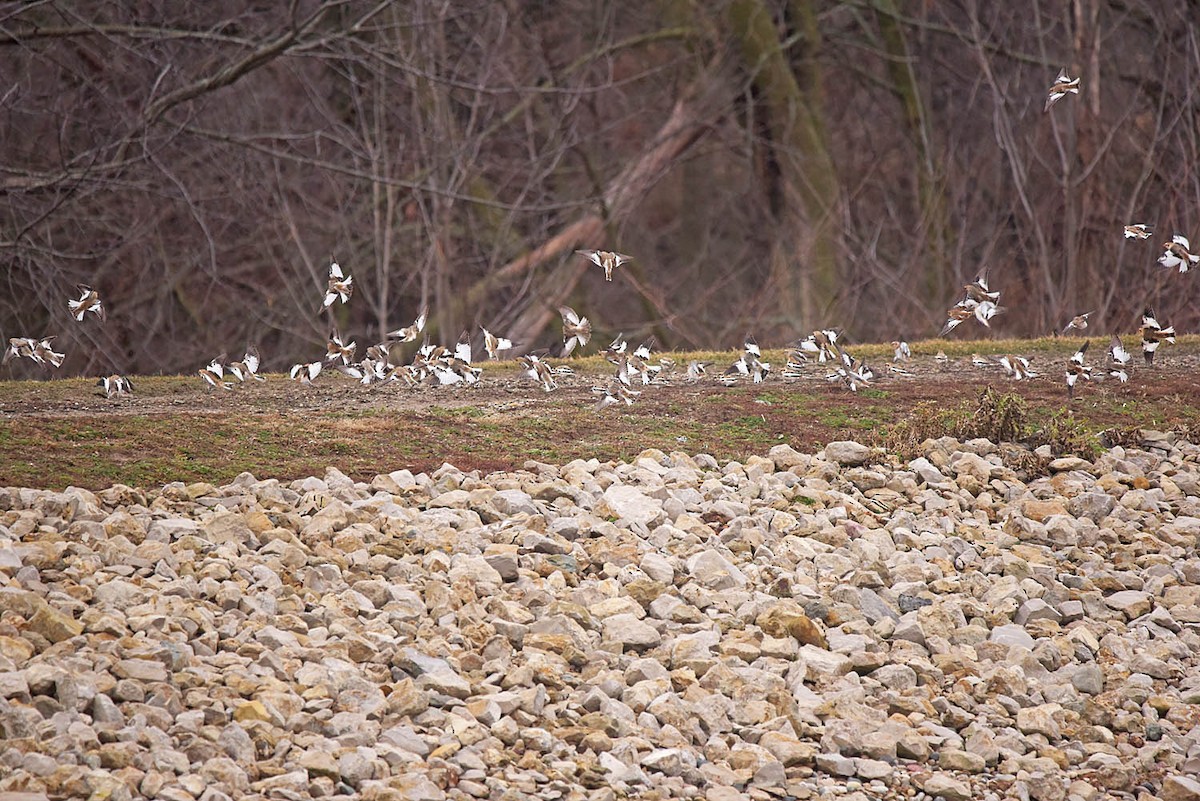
999	417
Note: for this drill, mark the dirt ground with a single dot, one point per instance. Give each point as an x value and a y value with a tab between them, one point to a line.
59	432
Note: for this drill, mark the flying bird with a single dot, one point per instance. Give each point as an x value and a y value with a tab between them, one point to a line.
696	370
45	353
340	286
409	333
1017	367
1063	86
615	392
247	368
1079	322
306	373
607	259
88	301
1120	357
336	349
577	331
1138	231
1178	253
979	291
1076	369
748	365
1154	334
955	316
214	374
22	347
538	370
494	344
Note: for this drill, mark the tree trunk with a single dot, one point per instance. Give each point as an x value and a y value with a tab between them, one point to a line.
934	222
805	272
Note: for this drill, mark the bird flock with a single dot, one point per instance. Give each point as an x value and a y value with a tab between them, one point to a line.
438	365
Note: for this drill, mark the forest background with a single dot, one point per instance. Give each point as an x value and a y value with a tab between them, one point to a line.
772	166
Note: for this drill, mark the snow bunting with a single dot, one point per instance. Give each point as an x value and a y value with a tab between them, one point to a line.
306	373
1138	231
1063	86
606	259
115	385
1178	253
214	374
341	285
577	331
1017	367
1076	369
538	370
1154	334
409	333
1120	357
696	370
615	392
336	349
1079	322
89	301
494	344
247	368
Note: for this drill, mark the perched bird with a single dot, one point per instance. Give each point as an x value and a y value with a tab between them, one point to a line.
247	368
336	349
214	374
494	344
1017	367
1119	357
979	361
942	359
1153	334
1076	369
901	352
341	285
306	373
89	301
606	259
1178	253
577	331
1138	231
1063	86
115	385
1079	322
538	370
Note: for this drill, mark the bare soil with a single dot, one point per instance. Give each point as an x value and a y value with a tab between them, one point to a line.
60	432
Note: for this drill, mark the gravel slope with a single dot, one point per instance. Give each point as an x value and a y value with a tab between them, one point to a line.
794	626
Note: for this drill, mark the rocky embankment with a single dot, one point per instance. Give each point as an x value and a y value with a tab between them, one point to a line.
839	625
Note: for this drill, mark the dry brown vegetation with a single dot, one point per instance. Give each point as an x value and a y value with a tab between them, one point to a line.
772	164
